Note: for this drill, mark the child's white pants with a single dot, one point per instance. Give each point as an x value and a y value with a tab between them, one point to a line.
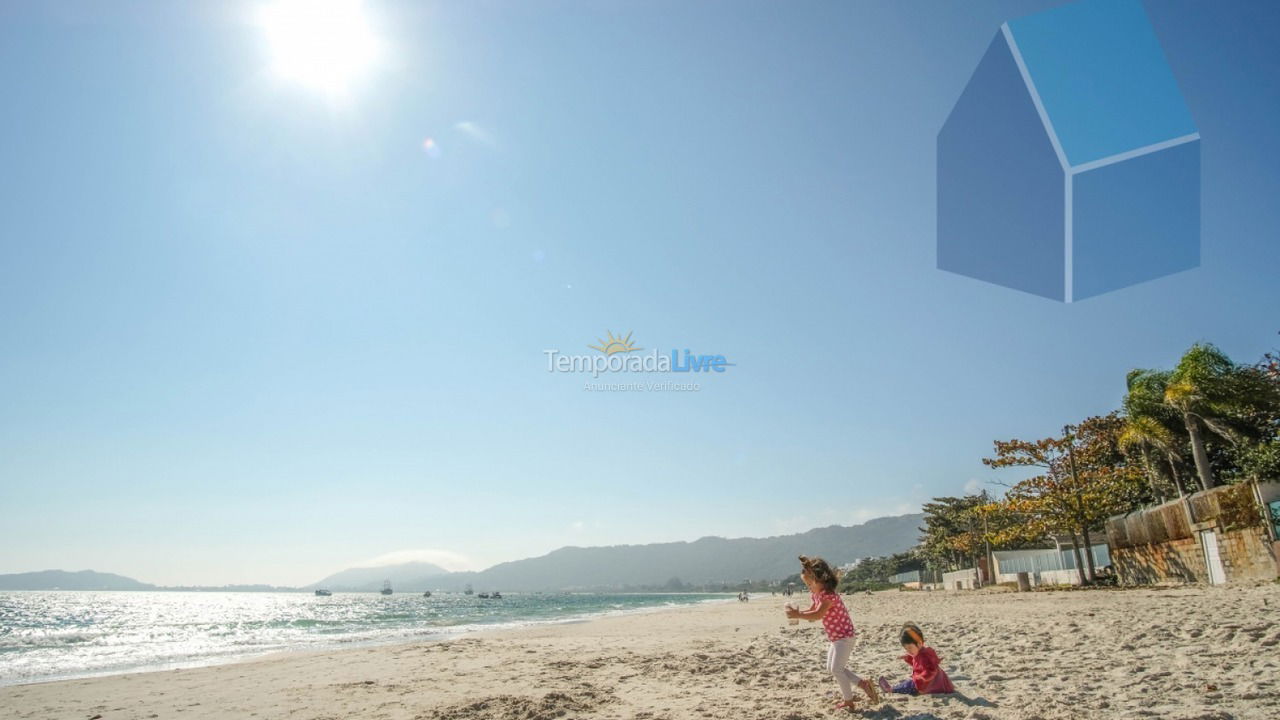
837	656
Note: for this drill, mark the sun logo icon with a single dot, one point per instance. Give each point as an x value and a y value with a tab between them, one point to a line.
615	345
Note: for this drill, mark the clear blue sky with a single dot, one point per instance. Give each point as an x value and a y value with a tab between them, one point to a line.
254	333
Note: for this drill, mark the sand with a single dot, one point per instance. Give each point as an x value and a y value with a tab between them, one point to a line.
1175	653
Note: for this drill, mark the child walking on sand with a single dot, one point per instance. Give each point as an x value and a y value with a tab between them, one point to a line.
927	675
830	609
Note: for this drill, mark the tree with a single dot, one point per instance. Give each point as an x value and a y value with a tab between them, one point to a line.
946	523
1085	481
1209	414
1255	452
872	571
1153	429
1028	496
1214	396
1000	524
1270	365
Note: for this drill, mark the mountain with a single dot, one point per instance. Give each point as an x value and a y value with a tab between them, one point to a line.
710	560
405	576
63	580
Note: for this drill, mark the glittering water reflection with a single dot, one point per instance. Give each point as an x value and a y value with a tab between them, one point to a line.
49	635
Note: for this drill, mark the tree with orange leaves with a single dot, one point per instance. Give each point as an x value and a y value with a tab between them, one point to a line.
1085	481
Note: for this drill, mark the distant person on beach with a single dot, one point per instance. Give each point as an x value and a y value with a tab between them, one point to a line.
927	675
830	609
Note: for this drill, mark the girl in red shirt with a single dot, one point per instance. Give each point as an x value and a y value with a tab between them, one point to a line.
829	608
927	675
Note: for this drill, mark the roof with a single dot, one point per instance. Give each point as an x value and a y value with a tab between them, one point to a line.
1101	77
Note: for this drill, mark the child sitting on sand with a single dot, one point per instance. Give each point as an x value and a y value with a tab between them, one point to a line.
829	608
927	675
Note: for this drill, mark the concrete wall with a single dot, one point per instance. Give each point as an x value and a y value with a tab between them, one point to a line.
1044	577
1166	562
1246	555
968	579
1269	491
1060	577
1269	494
1162	544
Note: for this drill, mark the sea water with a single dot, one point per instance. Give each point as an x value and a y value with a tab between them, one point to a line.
64	634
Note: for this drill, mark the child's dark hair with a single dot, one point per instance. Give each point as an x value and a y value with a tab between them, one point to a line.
911	635
822	571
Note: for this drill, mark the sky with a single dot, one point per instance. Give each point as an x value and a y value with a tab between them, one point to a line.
257	331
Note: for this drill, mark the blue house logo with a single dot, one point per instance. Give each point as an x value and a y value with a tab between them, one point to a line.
1070	165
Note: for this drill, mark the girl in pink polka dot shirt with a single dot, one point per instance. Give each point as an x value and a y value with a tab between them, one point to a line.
830	609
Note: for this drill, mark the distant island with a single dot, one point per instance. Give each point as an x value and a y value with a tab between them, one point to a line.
710	563
63	580
92	580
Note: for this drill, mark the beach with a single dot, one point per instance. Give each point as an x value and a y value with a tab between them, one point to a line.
1194	652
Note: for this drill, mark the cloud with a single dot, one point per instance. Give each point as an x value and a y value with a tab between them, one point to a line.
451	561
864	514
840	516
973	487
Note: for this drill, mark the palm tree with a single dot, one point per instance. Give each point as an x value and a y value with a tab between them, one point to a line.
1153	428
1146	436
1212	395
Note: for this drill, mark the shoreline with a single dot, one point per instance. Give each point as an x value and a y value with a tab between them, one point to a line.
1192	652
444	633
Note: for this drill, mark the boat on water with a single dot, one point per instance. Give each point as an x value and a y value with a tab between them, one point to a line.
483	596
496	595
426	594
323	593
386	587
468	591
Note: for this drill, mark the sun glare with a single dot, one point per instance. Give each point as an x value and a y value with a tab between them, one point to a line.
321	44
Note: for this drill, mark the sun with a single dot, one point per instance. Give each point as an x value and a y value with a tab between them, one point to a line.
321	44
615	345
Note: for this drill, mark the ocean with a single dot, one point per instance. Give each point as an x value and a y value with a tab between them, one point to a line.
64	634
